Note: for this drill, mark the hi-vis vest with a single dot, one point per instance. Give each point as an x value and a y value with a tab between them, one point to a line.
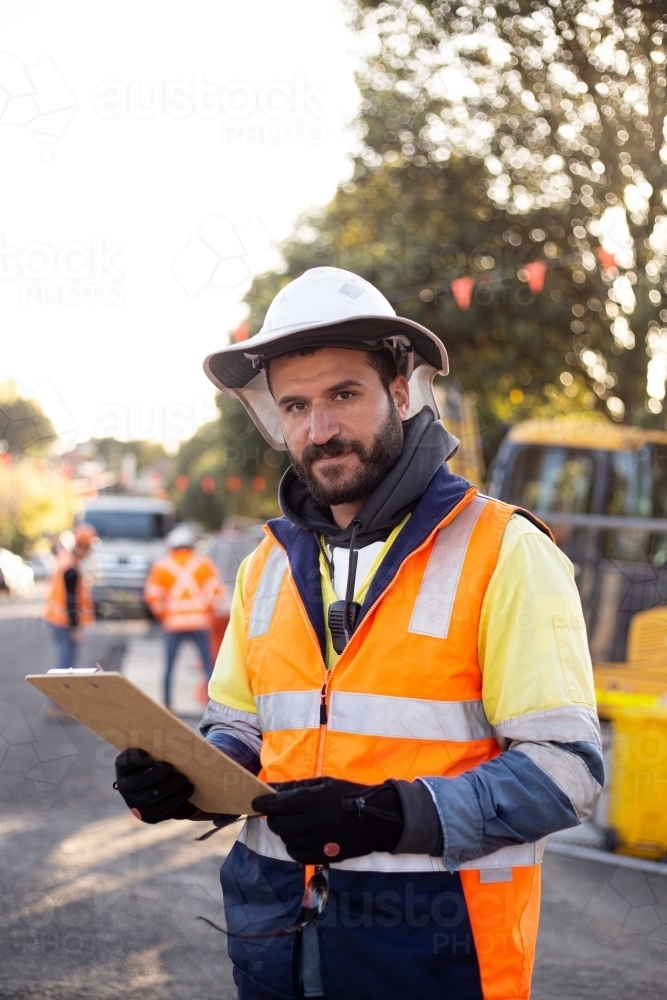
402	701
55	610
184	591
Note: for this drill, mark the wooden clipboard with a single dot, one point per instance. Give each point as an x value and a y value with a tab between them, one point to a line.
119	712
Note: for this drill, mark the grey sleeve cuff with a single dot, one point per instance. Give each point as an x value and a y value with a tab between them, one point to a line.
513	799
461	819
422	833
244	726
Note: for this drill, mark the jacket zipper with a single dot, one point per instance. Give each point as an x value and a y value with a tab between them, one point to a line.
321	736
326	686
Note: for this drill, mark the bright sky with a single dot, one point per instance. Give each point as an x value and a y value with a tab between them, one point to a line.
152	154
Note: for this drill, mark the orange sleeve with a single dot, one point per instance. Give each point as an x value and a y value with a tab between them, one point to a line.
155	589
210	579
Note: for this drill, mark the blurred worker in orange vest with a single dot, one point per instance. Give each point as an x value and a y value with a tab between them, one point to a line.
69	604
184	592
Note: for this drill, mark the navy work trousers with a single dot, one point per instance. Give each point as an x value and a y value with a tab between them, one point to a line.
67	647
202	640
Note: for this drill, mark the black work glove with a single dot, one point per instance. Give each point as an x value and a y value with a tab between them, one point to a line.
326	819
151	788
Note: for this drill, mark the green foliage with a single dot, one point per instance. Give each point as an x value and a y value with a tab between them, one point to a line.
562	107
494	135
111	451
228	469
35	499
23	427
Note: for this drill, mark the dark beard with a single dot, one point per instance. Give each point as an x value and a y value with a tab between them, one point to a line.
376	462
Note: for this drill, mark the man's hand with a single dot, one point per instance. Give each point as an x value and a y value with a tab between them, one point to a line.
152	789
326	819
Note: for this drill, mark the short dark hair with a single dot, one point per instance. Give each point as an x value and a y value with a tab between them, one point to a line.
381	361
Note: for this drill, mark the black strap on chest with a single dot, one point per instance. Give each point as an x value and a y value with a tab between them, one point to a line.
343	615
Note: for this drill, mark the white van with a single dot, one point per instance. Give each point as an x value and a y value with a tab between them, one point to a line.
132	532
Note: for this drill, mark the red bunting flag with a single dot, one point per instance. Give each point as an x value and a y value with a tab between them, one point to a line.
536	272
242	332
462	291
606	259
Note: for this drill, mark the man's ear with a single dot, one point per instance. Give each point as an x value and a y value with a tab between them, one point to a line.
400	393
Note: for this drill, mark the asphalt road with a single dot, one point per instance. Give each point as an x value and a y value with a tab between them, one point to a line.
95	906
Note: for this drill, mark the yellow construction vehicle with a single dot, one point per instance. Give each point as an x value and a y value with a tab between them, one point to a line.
602	489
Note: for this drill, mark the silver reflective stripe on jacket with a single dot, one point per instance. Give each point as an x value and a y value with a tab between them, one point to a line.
407	718
565	724
257	837
267	592
288	710
568	771
433	608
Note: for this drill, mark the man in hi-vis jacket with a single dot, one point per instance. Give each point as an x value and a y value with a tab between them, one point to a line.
406	662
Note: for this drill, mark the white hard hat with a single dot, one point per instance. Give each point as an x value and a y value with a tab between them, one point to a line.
335	308
181	537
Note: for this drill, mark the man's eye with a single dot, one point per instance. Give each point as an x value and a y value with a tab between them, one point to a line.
296	407
345	395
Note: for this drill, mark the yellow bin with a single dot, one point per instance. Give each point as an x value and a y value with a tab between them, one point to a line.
638	779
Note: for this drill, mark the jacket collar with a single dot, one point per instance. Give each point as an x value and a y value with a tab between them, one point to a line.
442	494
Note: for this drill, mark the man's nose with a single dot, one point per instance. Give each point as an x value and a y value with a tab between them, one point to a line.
322	426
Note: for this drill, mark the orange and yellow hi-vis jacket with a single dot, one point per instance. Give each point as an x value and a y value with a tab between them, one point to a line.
404	700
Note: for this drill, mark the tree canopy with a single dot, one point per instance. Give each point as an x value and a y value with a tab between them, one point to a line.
497	134
36	499
24	429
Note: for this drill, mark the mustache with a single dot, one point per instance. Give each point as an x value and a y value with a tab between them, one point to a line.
331	449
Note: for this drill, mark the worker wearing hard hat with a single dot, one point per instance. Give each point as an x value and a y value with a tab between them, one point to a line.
406	663
69	603
183	591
